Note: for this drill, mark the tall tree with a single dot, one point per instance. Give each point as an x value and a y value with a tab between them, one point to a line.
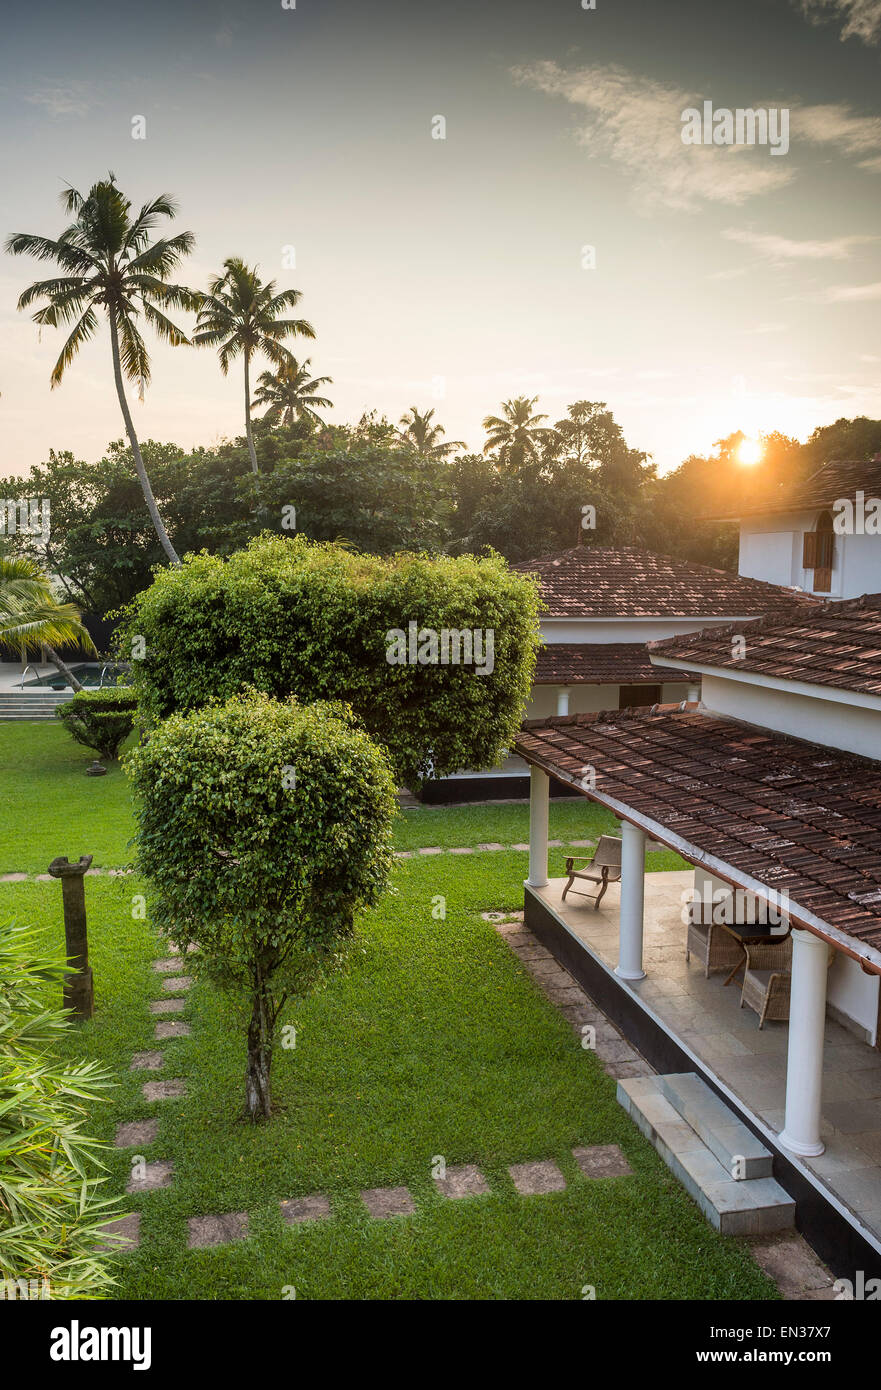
240	315
111	268
31	616
426	438
517	435
290	394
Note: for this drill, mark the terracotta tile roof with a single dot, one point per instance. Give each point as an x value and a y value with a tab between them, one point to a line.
799	818
835	644
820	490
600	663
623	582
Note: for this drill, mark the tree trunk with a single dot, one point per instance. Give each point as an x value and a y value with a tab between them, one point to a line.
136	448
65	670
248	435
257	1084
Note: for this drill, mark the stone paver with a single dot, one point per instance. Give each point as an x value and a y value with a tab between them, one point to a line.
464	1181
166	966
155	1175
793	1266
146	1061
216	1230
172	1029
136	1133
313	1208
520	846
164	1090
433	849
13	878
530	1179
461	850
491	846
167	1006
602	1161
383	1202
177	984
123	1234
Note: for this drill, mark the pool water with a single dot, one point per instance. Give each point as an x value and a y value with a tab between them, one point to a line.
88	676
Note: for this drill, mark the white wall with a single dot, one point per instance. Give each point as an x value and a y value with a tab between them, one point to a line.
586	699
853	997
634	630
771	548
843	726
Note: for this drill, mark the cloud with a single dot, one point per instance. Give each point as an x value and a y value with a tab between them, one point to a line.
848	294
780	248
637	123
862	18
75	99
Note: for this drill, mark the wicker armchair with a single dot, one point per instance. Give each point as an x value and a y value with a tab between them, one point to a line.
604	868
714	947
767	979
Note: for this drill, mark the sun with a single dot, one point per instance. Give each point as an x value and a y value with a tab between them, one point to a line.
749	451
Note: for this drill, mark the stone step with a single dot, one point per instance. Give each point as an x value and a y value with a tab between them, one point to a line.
751	1206
738	1150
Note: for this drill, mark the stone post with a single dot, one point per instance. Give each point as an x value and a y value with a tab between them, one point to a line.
79	992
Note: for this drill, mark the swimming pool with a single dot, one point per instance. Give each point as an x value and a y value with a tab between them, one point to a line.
87	675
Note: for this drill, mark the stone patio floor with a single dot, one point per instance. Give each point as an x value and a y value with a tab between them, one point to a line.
706	1016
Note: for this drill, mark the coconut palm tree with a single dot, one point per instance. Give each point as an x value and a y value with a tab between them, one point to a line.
290	394
31	616
426	437
517	434
239	314
109	267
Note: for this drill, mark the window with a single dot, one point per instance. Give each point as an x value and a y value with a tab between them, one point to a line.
633	696
818	553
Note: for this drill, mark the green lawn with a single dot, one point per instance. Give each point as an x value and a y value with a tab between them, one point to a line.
435	1042
42	783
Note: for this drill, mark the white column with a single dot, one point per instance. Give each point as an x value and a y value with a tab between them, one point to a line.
629	965
807	1028
539	789
562	699
694	693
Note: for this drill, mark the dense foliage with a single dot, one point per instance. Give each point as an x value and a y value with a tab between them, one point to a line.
381	489
264	829
51	1216
313	621
100	719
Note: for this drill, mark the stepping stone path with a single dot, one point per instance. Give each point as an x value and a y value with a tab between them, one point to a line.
171	1029
602	1161
383	1202
123	1234
167	1006
467	1181
164	1090
155	1175
531	1179
147	1061
216	1230
136	1133
297	1209
493	847
177	984
165	967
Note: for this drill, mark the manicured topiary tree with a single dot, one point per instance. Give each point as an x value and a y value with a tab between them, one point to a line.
100	719
320	622
263	828
52	1216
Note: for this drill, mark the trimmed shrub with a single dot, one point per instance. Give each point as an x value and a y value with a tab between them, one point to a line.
263	830
318	622
51	1218
100	719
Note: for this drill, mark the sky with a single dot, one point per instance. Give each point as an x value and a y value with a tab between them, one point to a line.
725	287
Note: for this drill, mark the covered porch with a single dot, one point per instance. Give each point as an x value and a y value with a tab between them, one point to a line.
809	1087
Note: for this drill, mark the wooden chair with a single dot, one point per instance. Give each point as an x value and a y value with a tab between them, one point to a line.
767	979
603	868
715	948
